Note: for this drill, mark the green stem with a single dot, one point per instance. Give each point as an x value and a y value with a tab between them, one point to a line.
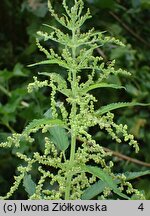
73	129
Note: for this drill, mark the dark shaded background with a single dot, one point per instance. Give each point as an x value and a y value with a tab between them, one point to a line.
127	20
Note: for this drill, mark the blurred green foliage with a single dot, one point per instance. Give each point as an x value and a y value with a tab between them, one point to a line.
127	20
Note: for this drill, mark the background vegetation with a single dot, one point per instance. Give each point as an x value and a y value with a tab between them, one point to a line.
127	20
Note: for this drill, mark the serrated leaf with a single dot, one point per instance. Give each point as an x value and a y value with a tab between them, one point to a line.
113	106
59	137
51	61
99	186
103	85
36	123
105	177
133	175
29	185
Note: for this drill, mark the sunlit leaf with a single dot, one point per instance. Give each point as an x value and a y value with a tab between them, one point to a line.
37	123
103	85
53	61
106	178
113	106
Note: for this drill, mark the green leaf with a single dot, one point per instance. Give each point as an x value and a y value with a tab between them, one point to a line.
133	175
19	70
37	123
103	85
99	186
59	137
113	106
11	106
51	61
41	10
131	89
94	190
145	4
29	185
48	114
105	177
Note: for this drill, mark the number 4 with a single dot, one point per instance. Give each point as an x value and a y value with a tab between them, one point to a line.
141	207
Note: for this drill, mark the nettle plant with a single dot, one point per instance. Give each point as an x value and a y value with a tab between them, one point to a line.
72	165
